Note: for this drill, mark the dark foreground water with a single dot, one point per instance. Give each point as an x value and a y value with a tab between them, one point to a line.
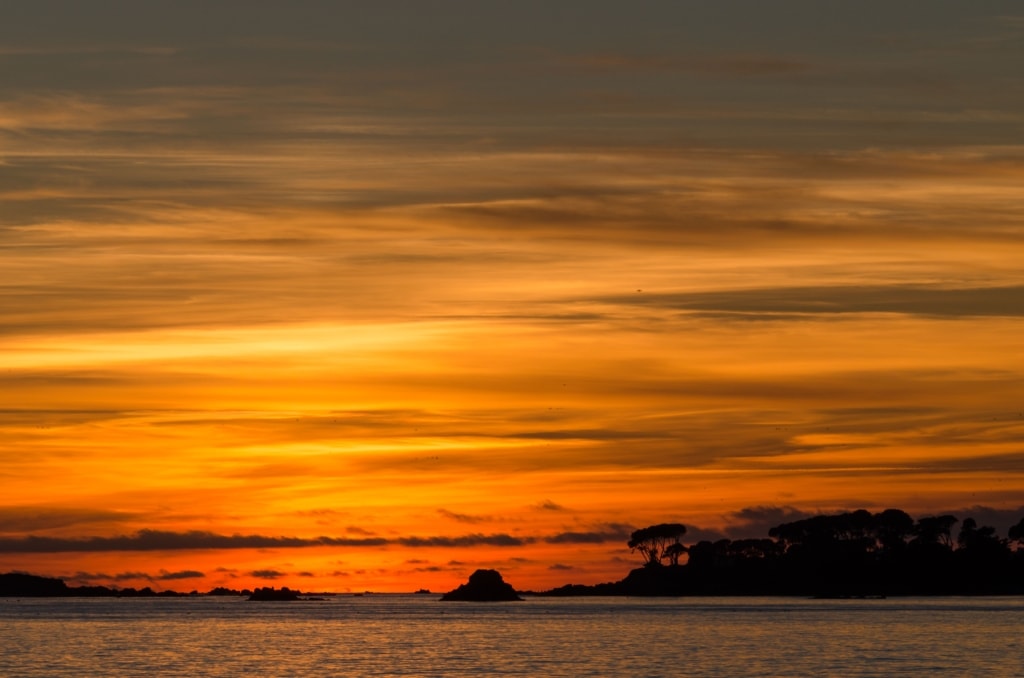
384	635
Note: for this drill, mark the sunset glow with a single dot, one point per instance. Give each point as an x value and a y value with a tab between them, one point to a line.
357	298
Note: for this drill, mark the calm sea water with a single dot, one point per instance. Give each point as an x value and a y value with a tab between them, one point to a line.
416	635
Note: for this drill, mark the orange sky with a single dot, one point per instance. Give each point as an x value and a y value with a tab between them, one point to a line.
362	298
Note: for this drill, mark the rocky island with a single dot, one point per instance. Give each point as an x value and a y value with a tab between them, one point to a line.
269	593
484	586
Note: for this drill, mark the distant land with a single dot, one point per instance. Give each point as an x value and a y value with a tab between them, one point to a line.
850	554
22	584
845	555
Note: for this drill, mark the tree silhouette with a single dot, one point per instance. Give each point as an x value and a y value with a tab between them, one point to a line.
1016	533
673	553
935	530
892	529
657	542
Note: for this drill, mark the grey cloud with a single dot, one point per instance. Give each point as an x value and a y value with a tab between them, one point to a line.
127	576
582	434
611	532
463	517
155	540
736	64
81	576
1001	519
466	540
267	574
755	521
355	529
825	300
695	534
183	574
87	577
21	519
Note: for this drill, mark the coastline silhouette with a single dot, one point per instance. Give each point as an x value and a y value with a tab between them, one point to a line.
841	555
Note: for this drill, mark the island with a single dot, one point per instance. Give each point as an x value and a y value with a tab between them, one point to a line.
269	593
483	586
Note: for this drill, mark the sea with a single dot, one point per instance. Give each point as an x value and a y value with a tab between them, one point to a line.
418	635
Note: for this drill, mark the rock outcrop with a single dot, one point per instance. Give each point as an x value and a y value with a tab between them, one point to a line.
272	594
483	585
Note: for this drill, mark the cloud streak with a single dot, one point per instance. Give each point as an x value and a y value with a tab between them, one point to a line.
157	540
793	302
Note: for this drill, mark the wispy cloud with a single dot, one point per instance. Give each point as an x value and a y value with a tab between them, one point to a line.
463	517
610	533
155	540
791	302
22	519
182	574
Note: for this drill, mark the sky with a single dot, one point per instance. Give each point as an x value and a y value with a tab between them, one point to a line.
365	296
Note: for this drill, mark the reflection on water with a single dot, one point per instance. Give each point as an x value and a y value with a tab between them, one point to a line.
417	635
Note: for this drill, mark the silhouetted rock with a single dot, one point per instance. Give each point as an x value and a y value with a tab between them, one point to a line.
223	591
21	584
483	585
270	593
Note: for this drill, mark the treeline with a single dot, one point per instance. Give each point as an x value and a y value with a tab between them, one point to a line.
30	585
850	554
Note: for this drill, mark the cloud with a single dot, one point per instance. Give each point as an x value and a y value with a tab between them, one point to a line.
466	540
183	574
1001	519
789	302
86	577
560	566
136	576
155	540
15	519
755	521
737	65
612	532
355	529
128	576
267	574
463	517
581	434
695	534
